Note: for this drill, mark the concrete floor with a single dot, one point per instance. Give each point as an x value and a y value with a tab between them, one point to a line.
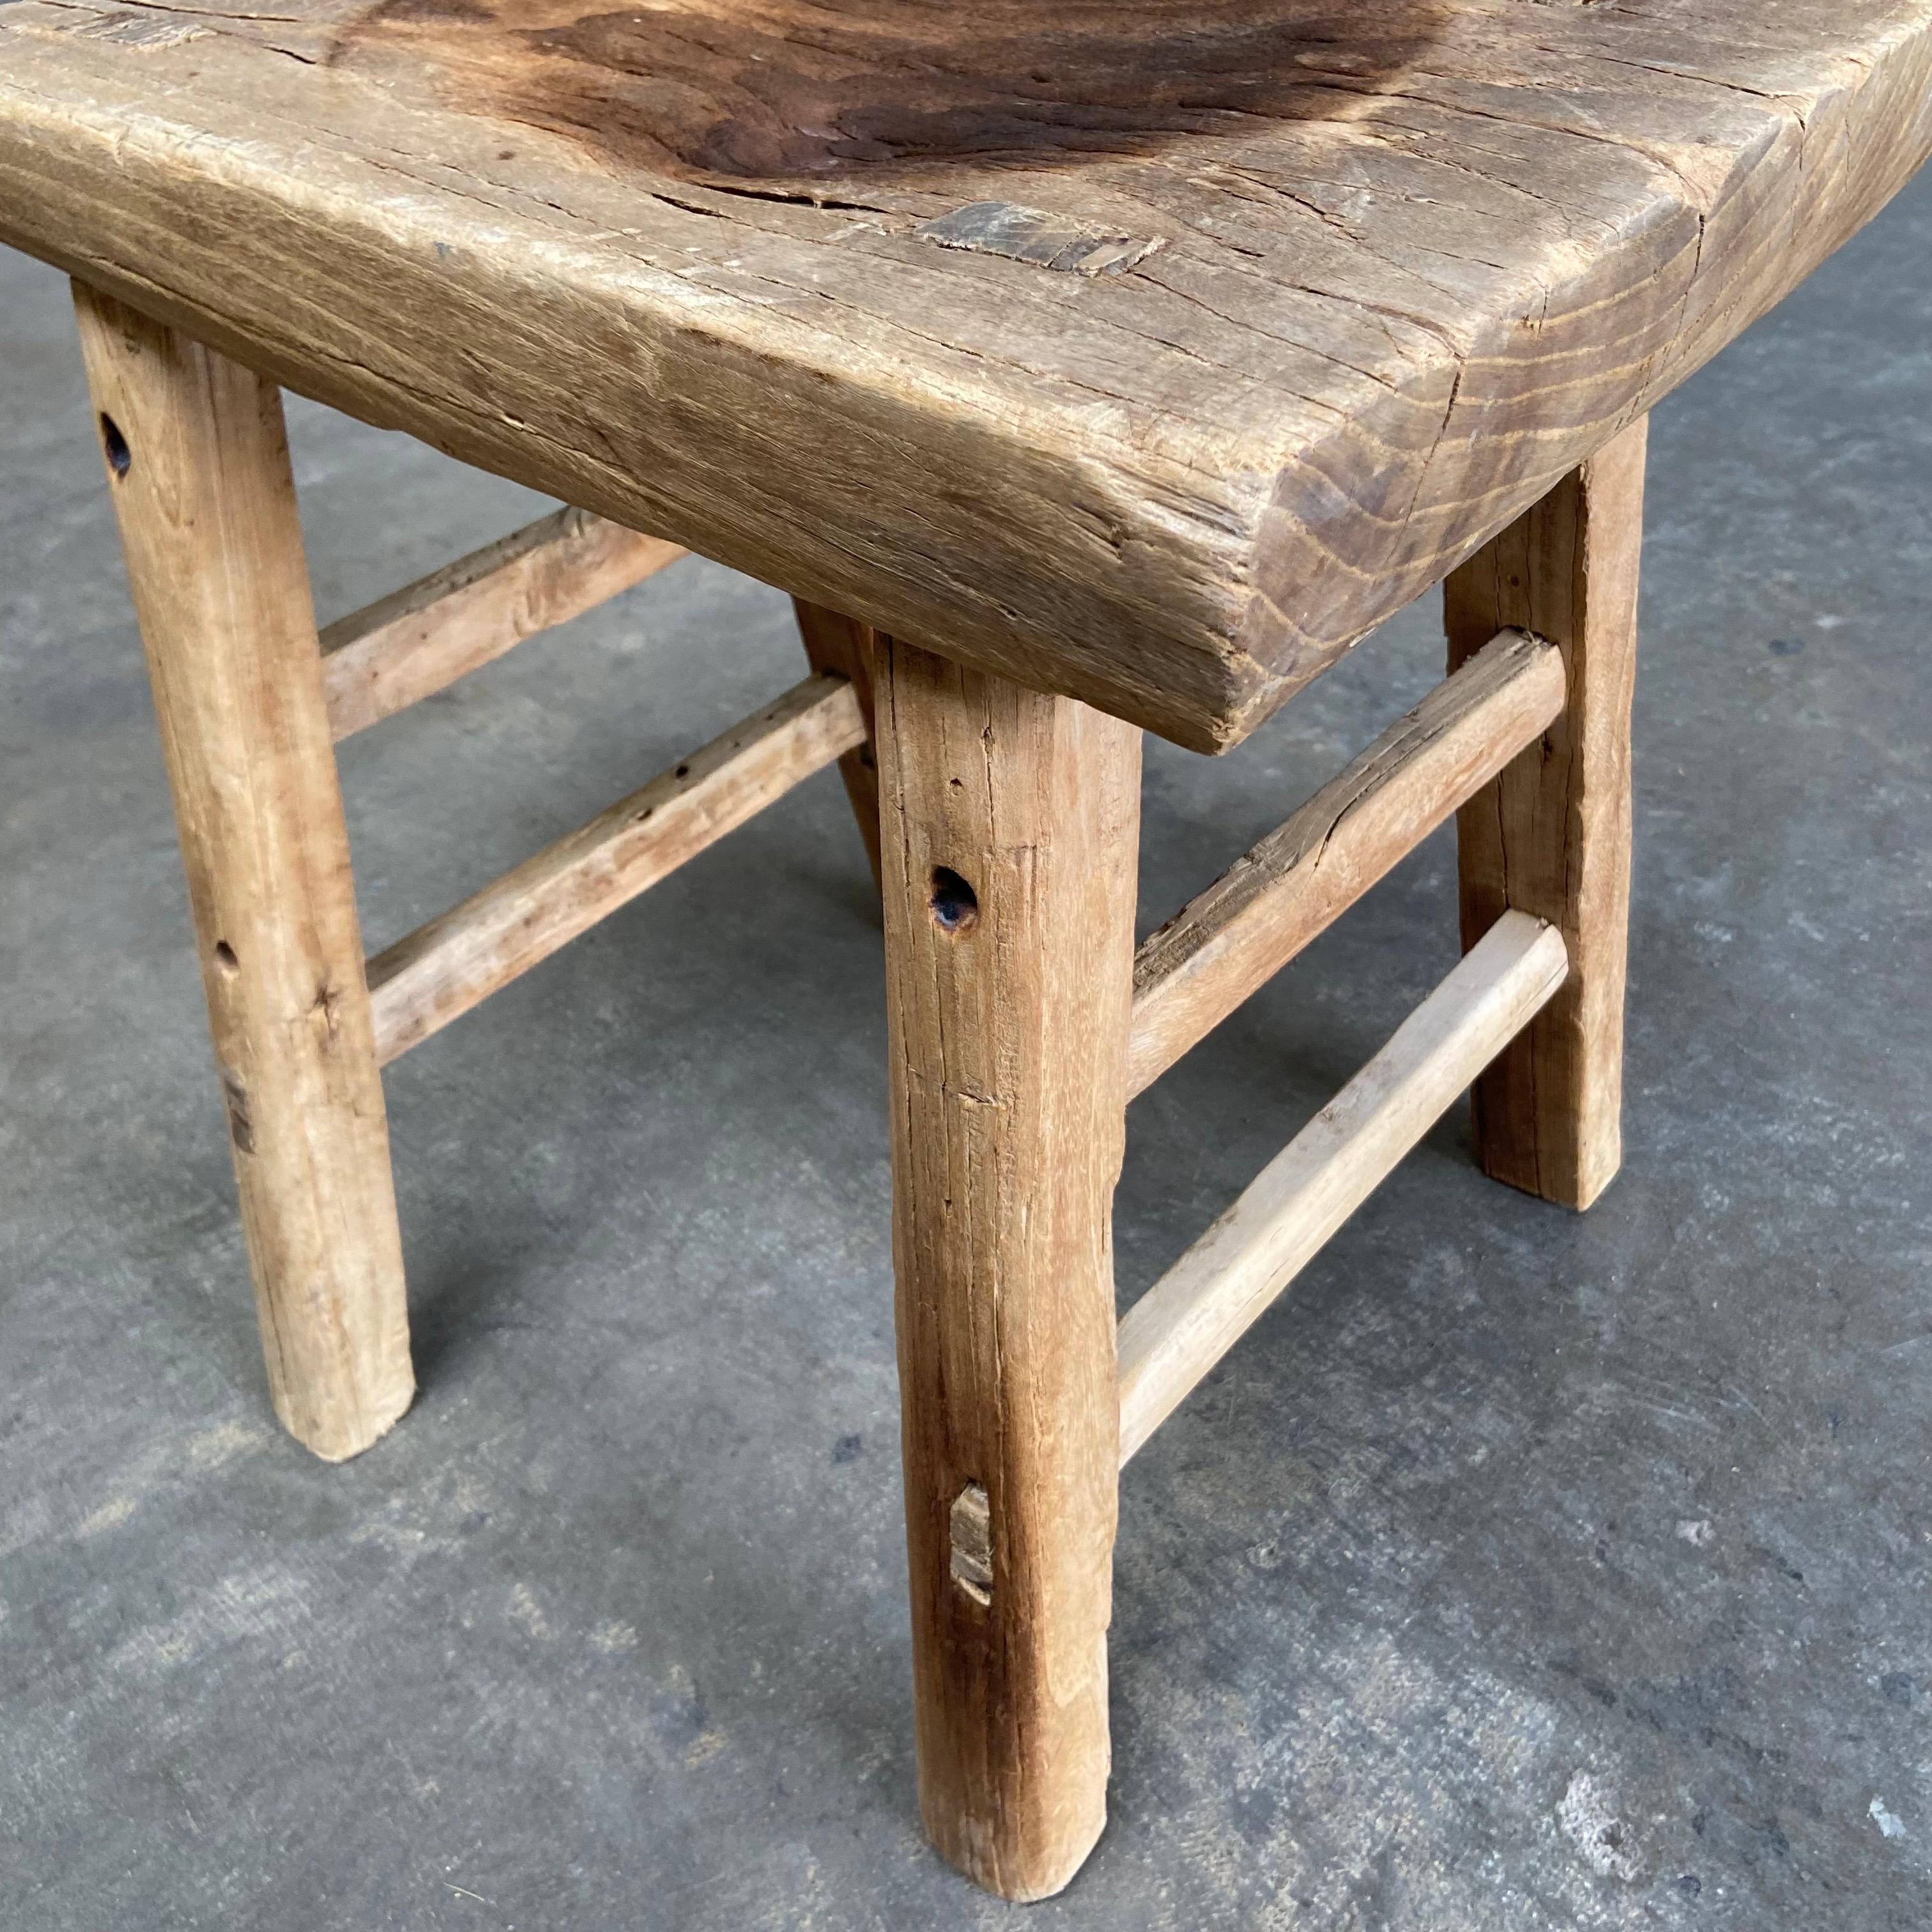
1518	1571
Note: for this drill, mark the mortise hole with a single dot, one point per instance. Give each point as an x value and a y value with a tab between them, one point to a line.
224	957
956	907
120	457
972	1527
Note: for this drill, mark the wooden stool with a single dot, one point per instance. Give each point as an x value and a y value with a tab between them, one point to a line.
1117	367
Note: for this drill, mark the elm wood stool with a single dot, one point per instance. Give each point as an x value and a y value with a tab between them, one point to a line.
1117	367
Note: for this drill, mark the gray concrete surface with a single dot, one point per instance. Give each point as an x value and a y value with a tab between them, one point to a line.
1519	1571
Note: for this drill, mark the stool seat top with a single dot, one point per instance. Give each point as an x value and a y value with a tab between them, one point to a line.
1151	352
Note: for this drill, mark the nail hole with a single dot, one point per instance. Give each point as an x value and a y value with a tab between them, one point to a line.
120	457
954	905
682	771
224	957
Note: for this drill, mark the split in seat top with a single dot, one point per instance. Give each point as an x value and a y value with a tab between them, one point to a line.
1148	350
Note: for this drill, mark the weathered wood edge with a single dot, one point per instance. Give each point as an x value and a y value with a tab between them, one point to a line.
1168	662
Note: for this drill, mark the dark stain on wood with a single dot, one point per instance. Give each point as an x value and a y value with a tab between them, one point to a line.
772	90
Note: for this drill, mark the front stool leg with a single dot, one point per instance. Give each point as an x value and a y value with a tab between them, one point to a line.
1551	836
198	466
1011	824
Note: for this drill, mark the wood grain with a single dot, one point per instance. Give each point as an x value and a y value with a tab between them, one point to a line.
1229	940
198	467
1226	1281
844	647
458	959
421	639
1415	262
1011	830
1551	836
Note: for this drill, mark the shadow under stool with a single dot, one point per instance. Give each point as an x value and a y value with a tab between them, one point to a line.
1082	372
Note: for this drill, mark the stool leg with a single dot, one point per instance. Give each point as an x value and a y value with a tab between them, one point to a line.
199	468
1011	825
1551	836
843	644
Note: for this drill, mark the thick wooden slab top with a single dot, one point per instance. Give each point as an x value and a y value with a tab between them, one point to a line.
1151	351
